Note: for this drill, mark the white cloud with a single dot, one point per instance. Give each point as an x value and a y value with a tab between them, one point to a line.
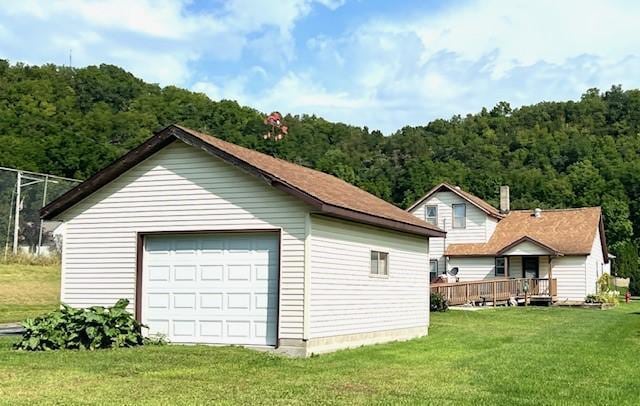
163	18
525	32
473	54
157	40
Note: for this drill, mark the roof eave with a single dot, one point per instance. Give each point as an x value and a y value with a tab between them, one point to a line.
435	189
519	241
106	175
340	212
169	134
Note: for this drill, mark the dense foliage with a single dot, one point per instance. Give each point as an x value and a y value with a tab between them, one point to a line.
87	329
72	122
438	302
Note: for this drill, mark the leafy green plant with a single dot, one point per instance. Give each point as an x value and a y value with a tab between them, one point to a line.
606	294
610	297
604	283
92	328
439	303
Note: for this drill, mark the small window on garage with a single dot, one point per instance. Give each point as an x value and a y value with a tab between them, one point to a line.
379	263
431	215
500	266
460	215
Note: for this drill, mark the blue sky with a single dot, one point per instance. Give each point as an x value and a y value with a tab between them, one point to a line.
383	64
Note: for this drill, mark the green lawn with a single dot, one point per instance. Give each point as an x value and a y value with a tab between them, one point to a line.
503	356
28	290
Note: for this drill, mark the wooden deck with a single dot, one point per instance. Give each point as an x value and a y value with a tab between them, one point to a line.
494	291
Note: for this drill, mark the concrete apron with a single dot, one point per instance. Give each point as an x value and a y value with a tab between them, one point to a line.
11	329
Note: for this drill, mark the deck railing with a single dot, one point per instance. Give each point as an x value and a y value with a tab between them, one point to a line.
495	290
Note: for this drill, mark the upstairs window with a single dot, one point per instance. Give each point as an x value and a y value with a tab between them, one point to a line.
460	215
431	215
379	263
500	266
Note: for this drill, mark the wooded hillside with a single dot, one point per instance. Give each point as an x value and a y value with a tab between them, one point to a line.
71	122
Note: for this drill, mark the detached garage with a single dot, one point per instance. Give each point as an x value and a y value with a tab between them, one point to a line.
218	244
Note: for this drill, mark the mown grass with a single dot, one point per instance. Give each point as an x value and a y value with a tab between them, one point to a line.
525	356
28	290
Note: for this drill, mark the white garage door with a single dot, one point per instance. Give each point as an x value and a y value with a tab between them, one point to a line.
218	288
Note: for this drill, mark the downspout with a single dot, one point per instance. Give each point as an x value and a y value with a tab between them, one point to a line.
444	246
550	278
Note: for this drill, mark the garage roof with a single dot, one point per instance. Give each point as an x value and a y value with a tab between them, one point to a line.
326	193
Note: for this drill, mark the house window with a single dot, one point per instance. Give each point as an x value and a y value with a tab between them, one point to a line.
460	215
433	269
500	266
431	215
379	263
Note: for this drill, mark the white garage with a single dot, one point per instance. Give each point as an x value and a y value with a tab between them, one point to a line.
214	243
211	288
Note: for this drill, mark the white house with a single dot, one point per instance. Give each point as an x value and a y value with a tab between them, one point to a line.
482	242
214	243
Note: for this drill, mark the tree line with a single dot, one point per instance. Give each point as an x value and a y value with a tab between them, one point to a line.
73	121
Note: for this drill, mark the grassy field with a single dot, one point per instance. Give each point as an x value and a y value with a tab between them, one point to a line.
27	291
497	356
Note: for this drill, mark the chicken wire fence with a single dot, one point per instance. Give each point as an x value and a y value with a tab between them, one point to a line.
29	192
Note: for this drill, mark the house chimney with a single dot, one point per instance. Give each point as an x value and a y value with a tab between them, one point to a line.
504	199
537	212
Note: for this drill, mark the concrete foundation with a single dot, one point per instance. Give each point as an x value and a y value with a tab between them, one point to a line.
321	345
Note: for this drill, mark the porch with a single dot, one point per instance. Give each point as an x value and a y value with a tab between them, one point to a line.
498	291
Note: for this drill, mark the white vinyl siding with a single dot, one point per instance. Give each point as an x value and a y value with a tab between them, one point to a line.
570	273
473	268
479	226
180	188
527	248
595	265
345	299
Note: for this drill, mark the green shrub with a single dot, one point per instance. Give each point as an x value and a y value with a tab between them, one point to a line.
92	328
439	303
609	297
604	283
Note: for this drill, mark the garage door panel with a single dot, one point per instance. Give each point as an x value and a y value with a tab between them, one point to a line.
158	326
184	273
159	273
239	272
211	328
211	272
184	301
212	288
211	300
184	328
159	300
